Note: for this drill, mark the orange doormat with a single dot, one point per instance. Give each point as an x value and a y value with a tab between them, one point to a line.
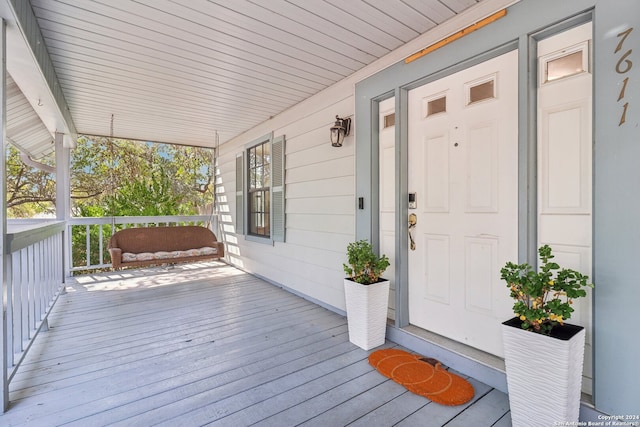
422	376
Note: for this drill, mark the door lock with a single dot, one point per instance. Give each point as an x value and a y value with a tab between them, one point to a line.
413	201
413	220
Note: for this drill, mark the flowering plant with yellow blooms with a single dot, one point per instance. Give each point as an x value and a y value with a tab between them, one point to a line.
542	300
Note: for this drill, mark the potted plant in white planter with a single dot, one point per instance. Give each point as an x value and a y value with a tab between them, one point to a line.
543	354
366	295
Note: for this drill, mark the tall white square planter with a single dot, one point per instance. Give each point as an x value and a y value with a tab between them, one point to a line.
544	374
367	312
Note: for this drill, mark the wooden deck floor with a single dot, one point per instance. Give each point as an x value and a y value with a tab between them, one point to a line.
206	344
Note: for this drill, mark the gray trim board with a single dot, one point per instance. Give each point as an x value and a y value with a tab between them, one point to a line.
402	208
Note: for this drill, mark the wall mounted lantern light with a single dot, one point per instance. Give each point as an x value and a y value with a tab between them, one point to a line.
339	130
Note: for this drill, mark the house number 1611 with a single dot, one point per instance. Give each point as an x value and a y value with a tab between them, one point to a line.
623	66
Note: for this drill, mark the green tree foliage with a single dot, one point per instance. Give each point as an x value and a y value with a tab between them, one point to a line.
30	191
151	196
131	178
116	177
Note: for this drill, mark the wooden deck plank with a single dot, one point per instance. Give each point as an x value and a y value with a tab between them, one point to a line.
228	351
437	415
160	376
126	404
183	343
208	345
181	399
393	411
485	411
140	334
505	421
153	376
323	402
279	402
358	406
149	322
178	347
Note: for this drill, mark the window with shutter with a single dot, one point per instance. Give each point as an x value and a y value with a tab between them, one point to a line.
260	190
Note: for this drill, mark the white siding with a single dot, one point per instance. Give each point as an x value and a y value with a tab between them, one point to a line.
320	200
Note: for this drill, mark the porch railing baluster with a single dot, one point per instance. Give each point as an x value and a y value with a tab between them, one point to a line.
34	281
88	244
101	243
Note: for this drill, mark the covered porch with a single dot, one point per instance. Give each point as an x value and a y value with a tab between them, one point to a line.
155	79
208	344
216	343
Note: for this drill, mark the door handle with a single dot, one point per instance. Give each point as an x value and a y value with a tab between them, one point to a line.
413	220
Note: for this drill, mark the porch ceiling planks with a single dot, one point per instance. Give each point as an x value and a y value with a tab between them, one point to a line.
208	344
24	128
178	71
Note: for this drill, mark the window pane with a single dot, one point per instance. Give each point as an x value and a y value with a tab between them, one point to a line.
259	178
252	179
266	176
259	190
266	161
437	106
252	157
258	150
481	92
389	120
565	66
259	213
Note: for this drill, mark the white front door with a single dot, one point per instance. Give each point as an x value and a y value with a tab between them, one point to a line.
463	168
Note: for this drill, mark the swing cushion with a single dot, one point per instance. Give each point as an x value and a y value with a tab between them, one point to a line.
135	247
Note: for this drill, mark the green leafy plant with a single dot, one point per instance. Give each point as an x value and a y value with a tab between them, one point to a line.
364	266
542	300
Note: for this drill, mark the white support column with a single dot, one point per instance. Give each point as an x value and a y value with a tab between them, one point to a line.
63	196
3	218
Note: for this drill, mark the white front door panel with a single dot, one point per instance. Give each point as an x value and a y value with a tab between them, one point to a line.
463	162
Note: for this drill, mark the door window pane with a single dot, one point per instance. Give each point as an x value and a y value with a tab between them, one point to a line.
436	106
482	91
390	120
565	66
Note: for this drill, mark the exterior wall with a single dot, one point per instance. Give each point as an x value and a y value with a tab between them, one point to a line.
319	200
320	182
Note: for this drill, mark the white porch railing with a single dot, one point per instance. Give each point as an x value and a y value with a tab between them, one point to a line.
33	281
91	253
